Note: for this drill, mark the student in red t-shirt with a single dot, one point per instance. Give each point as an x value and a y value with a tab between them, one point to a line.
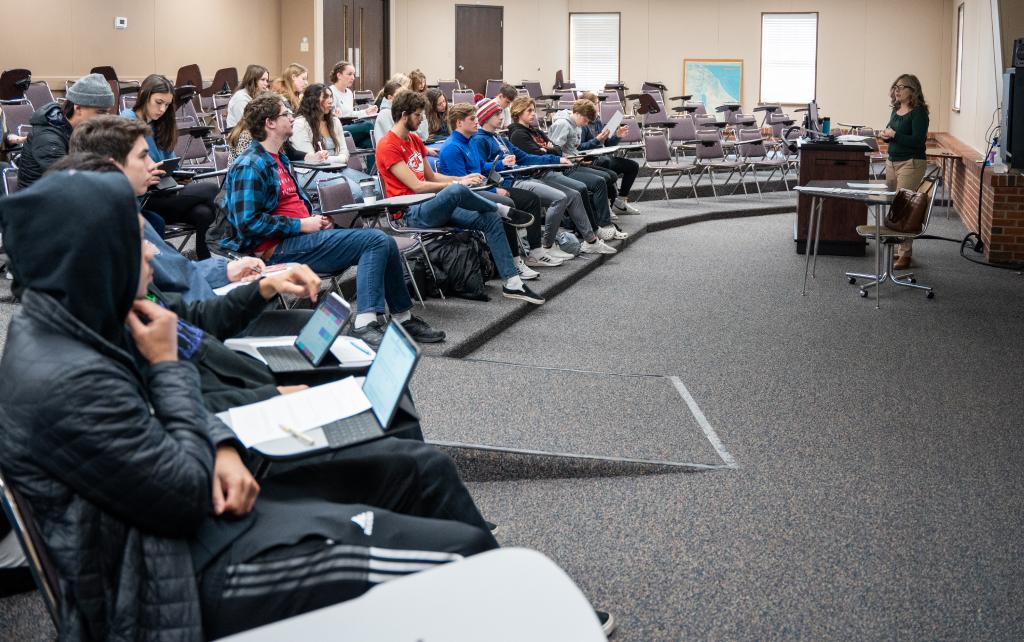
271	218
401	161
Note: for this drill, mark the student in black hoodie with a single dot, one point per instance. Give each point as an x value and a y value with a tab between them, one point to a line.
132	481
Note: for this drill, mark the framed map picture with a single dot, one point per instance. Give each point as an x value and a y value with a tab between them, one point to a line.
713	81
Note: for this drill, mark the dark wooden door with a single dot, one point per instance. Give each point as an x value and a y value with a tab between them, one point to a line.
357	31
478	44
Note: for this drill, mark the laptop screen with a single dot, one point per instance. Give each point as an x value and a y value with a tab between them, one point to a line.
390	372
322	329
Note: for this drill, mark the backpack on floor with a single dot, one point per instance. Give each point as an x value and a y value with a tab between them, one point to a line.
461	264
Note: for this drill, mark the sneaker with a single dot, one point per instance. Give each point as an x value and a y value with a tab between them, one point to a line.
491	526
612	215
419	330
525	273
526	294
606	233
517	218
624	207
540	257
372	334
608	622
557	253
619	235
597	247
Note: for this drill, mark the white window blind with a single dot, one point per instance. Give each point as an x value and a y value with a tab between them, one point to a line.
789	51
593	49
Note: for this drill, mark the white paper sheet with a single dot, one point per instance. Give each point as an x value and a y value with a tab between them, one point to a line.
300	411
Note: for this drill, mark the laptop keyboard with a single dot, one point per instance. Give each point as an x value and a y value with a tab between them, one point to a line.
284	358
351	429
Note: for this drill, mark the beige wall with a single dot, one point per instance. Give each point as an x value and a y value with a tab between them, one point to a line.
979	90
536	37
59	39
297	21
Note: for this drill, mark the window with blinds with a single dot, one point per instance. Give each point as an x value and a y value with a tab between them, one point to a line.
593	49
789	52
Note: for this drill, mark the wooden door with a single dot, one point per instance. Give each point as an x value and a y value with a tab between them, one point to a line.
478	44
357	31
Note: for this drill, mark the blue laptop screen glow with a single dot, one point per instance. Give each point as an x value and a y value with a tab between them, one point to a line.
321	330
389	374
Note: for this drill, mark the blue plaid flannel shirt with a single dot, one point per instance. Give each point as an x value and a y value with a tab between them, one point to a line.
252	190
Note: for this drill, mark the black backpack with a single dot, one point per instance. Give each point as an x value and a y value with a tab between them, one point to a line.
462	264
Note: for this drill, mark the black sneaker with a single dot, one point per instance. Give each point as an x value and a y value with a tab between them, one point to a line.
372	334
491	526
608	623
517	218
524	294
423	333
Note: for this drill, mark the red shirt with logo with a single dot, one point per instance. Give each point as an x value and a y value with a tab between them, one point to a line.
391	149
289	203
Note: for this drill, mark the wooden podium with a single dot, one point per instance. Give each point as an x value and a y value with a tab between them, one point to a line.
840	218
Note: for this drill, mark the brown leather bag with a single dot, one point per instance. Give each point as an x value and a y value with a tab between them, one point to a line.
907	211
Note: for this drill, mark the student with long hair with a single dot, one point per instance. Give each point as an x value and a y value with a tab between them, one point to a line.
417	81
193	204
437	118
316	128
906	133
291	83
255	81
343	76
383	97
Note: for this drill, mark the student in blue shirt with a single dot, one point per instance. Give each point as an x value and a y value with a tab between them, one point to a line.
458	158
194	204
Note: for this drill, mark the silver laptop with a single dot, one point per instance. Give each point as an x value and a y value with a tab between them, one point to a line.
384	386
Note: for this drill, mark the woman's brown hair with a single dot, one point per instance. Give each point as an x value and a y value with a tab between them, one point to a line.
911	82
285	83
251	79
310	109
165	128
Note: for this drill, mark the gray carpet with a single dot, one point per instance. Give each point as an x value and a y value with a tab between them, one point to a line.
877	493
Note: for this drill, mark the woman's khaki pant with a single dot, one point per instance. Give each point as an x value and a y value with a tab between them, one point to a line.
906	174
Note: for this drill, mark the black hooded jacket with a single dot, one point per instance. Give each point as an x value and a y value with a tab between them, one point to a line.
46	144
113	455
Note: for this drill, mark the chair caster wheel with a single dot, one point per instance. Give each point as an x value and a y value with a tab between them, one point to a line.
930	295
912	280
863	294
851	280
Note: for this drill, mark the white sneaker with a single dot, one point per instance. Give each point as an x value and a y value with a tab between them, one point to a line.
613	216
597	247
525	273
619	235
558	253
623	206
606	233
539	257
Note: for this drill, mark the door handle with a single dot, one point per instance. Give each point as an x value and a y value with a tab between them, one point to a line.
461	68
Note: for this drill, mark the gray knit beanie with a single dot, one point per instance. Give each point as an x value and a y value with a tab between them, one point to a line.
91	91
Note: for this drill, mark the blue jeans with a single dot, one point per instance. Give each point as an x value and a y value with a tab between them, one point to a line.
379	278
459	206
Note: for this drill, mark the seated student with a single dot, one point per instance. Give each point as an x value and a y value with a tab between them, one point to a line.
291	83
437	114
239	140
271	217
554	194
417	81
255	81
318	129
532	140
401	161
383	98
592	136
565	133
385	119
150	516
194	204
343	75
505	96
53	123
459	158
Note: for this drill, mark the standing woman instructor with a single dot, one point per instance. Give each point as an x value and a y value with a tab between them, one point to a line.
906	134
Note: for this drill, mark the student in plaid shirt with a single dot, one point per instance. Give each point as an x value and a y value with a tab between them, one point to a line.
272	218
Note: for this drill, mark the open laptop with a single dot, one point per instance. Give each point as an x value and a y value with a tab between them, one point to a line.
169	166
313	345
383	387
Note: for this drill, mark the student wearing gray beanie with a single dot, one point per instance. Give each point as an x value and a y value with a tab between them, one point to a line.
52	124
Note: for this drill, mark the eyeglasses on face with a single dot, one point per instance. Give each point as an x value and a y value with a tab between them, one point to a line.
901	87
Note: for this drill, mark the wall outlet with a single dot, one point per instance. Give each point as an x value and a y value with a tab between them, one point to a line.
304	44
120	23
